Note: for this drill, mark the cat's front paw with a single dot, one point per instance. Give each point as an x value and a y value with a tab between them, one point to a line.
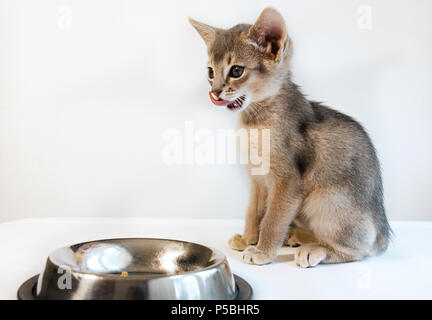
239	242
253	255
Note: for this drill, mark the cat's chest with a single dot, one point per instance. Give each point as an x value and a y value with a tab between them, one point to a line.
259	134
255	144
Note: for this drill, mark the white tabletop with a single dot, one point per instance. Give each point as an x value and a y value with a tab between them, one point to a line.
403	272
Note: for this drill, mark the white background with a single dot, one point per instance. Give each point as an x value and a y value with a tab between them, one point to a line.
87	89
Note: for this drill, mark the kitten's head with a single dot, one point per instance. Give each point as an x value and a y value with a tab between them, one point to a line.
247	63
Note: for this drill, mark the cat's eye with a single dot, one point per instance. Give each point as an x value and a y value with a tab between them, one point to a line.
236	71
210	73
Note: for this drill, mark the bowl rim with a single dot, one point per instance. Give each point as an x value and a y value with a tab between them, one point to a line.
218	262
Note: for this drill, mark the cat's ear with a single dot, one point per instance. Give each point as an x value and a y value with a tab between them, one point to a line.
206	32
269	33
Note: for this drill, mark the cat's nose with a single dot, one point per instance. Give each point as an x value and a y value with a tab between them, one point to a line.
217	92
217	88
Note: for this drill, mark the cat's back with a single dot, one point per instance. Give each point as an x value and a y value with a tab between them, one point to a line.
339	132
343	152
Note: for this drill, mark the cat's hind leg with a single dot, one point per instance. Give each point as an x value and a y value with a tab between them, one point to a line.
311	254
344	232
298	236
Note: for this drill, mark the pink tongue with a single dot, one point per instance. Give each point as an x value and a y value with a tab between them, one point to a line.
219	102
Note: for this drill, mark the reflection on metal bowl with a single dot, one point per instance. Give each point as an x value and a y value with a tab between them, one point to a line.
136	268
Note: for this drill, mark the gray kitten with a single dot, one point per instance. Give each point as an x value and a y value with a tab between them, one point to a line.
323	190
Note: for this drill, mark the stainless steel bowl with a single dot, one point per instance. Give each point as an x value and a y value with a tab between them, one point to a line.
135	269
